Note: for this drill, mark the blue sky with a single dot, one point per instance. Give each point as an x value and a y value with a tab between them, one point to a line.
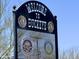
67	12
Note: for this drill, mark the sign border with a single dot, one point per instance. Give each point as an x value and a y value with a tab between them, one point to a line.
15	32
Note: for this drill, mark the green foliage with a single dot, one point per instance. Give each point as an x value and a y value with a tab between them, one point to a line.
6	36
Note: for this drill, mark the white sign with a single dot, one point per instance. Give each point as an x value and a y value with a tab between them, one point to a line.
30	50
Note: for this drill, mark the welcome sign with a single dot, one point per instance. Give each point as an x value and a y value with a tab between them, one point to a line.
35	32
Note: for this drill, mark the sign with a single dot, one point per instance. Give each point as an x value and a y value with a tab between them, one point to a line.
48	47
35	32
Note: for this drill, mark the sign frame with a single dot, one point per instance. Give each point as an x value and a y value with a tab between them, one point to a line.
15	30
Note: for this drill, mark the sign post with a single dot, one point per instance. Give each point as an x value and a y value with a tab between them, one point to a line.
35	32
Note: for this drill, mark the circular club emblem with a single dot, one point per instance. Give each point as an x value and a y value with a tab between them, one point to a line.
48	48
27	46
50	26
22	21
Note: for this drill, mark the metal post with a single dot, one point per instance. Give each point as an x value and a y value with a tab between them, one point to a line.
37	50
14	43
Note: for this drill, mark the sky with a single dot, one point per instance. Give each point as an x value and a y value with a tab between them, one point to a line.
67	12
